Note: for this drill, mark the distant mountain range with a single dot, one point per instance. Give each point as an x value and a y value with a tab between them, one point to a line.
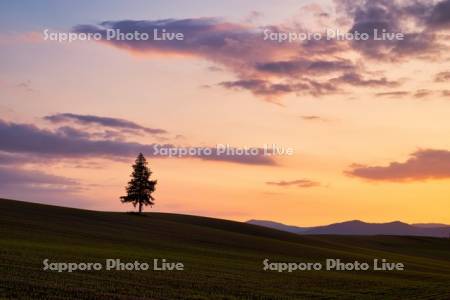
357	227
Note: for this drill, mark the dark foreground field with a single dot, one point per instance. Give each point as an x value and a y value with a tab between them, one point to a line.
223	259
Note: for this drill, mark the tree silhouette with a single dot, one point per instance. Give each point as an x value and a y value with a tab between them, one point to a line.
140	188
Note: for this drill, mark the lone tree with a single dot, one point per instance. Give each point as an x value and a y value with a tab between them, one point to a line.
140	188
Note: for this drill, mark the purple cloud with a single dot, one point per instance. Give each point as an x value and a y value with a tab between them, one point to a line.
440	15
13	176
25	138
270	69
242	49
369	16
422	165
305	66
357	80
115	123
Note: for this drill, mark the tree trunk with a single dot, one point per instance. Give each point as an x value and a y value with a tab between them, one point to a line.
140	207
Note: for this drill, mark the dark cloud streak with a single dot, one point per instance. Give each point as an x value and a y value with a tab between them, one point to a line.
301	183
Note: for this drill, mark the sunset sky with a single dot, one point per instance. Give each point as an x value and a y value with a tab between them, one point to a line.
369	121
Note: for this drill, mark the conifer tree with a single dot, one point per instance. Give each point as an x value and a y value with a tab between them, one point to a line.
140	187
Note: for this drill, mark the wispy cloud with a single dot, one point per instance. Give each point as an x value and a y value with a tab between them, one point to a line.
25	85
313	118
300	183
442	77
422	93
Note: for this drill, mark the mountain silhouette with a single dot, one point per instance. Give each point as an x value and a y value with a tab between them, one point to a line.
357	227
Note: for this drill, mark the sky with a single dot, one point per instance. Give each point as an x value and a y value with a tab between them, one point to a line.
366	120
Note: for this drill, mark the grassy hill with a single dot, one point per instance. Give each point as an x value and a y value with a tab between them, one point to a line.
222	259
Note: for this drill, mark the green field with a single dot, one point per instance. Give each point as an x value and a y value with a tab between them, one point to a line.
222	259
